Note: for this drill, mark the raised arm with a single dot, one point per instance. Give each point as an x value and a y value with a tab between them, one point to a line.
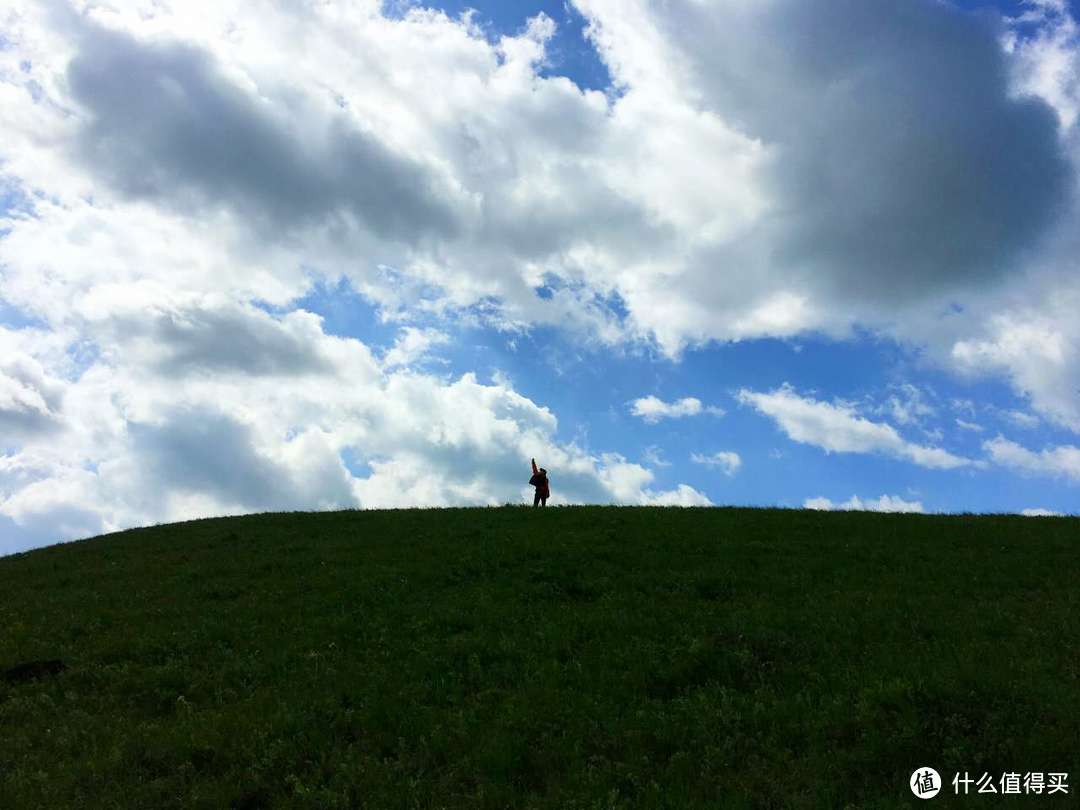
535	471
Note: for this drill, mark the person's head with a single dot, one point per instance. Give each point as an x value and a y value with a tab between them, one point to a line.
543	471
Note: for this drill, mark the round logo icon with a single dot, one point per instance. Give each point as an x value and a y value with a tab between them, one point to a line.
925	783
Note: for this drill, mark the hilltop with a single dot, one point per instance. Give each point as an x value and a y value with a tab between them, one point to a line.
585	657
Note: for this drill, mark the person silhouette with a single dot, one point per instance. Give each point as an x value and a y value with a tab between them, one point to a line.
540	481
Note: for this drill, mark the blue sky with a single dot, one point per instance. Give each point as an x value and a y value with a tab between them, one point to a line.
703	254
591	389
569	53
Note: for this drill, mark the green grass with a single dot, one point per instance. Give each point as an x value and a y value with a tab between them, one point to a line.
592	657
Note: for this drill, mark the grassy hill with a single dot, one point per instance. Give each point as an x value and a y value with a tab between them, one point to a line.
591	657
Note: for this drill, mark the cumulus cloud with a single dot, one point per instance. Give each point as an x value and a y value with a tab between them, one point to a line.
908	405
201	337
655	456
757	161
631	483
1040	512
682	495
890	134
1062	461
412	345
140	440
29	398
652	409
727	461
1047	62
164	123
204	452
1038	347
839	429
886	503
1020	419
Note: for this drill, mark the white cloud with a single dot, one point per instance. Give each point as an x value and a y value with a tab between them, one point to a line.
682	495
655	457
965	406
629	483
727	461
1020	419
652	409
1039	512
168	429
796	78
973	427
908	406
343	141
886	503
412	345
30	397
1062	461
1047	62
838	428
1039	348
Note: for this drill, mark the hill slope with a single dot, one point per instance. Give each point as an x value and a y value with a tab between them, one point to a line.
574	657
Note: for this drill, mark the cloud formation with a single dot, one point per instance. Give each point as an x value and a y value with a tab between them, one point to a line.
1039	512
412	345
29	399
839	429
652	409
726	461
164	123
764	169
1036	345
886	503
140	441
890	166
1062	461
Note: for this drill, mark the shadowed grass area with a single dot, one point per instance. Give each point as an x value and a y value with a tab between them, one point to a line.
585	657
